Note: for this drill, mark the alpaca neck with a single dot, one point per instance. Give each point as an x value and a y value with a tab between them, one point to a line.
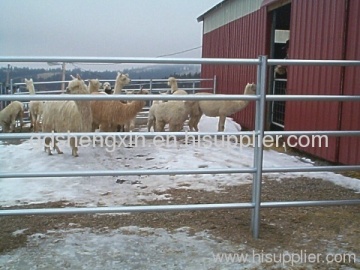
174	87
118	88
83	108
93	89
135	106
31	89
83	105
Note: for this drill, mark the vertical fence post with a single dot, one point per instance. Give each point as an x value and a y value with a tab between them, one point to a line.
150	86
214	85
258	150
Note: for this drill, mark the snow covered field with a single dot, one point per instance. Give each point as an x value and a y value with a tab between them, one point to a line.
73	248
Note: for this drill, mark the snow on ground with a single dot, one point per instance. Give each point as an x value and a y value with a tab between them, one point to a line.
64	248
125	248
91	191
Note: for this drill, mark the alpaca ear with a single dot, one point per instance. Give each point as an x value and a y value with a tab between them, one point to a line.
78	77
72	77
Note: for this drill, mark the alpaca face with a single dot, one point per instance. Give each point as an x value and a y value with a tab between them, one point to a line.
250	89
28	82
171	81
123	78
107	85
76	86
95	83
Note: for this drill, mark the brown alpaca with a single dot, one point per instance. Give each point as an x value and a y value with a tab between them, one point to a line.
98	105
109	114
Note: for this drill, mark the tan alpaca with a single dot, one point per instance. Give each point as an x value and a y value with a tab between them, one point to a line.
35	106
109	114
8	116
67	116
98	105
214	108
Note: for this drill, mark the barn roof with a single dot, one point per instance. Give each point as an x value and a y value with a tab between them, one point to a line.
202	16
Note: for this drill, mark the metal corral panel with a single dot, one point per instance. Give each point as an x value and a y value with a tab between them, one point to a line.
228	12
242	38
317	32
349	150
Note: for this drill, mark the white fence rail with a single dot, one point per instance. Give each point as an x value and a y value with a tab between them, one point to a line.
257	170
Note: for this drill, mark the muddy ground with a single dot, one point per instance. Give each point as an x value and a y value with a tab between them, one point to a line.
314	229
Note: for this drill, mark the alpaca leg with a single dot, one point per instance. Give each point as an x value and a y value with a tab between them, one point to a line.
150	123
160	126
120	128
94	127
13	124
21	119
31	120
6	128
37	122
175	128
194	121
57	147
74	149
47	145
221	125
34	123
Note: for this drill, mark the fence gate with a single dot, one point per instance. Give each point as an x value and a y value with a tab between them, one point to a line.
278	106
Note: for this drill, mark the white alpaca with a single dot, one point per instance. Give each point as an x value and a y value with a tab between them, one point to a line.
172	82
94	86
174	112
151	117
8	116
67	116
213	108
35	106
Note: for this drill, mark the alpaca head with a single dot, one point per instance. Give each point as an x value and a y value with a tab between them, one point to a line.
123	79
94	83
106	86
76	86
172	82
29	83
250	89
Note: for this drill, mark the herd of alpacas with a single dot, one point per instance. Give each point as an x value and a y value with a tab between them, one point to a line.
115	115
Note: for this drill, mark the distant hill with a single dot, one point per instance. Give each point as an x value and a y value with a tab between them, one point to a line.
54	74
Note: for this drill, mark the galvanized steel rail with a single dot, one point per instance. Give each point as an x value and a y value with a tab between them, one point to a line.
259	133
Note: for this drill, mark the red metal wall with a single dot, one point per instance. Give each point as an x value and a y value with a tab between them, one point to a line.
316	32
242	38
349	148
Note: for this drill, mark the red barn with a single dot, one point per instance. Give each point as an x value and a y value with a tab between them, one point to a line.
296	29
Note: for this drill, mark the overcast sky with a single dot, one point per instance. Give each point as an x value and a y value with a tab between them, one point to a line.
108	28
